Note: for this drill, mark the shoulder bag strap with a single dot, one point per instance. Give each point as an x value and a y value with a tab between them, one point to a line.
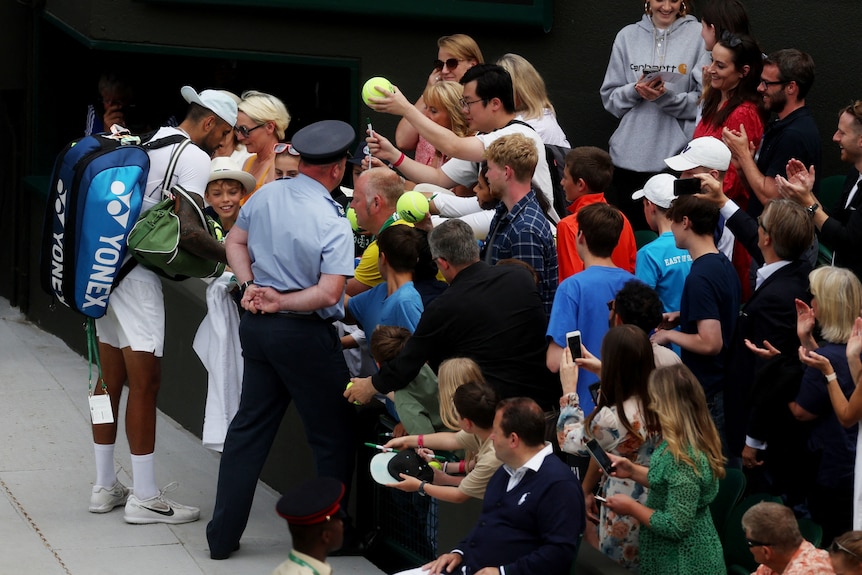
172	165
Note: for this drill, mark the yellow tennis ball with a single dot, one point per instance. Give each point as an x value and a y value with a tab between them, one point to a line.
412	206
349	385
436	465
369	90
351	217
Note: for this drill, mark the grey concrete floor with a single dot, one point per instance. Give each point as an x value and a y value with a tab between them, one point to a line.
47	471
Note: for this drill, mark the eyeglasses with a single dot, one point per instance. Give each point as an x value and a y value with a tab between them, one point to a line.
753	543
761	224
768	83
730	40
466	105
244	132
451	63
836	547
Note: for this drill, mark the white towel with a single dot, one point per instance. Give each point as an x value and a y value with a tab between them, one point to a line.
218	347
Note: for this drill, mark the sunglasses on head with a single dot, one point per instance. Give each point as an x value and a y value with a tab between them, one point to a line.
451	63
282	147
836	547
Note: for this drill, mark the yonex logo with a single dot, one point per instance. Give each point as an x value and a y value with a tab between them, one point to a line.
57	252
119	208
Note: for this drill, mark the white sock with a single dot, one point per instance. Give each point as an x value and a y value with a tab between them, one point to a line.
106	472
144	476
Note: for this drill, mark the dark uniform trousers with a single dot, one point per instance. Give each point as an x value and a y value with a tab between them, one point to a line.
285	358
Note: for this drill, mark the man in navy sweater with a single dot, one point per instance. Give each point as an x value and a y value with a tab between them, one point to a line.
533	511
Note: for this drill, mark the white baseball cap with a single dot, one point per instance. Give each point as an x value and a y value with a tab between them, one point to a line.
708	152
658	189
217	101
226	169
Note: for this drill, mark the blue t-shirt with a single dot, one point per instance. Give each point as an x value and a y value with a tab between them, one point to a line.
835	443
663	266
712	291
372	308
581	303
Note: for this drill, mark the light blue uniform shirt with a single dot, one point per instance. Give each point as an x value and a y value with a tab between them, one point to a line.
296	232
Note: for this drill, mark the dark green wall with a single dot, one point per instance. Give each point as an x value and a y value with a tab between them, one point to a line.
572	57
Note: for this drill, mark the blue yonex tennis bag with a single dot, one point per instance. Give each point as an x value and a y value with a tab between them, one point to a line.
97	188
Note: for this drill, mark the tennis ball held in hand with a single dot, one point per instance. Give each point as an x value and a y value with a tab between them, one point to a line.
412	207
349	385
369	89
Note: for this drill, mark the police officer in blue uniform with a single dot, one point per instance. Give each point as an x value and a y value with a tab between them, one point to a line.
291	250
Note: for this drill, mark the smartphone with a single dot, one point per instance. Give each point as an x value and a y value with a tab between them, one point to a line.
600	456
686	186
574	340
594	391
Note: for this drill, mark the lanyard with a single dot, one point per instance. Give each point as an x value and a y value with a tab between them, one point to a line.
301	562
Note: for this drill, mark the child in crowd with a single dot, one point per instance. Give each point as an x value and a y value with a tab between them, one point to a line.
227	185
467	405
416	405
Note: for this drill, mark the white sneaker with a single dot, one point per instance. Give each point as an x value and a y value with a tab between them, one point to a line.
103	500
159	509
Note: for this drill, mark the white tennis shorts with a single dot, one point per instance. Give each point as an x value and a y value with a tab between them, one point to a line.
135	317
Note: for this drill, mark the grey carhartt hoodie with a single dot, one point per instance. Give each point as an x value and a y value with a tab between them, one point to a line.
649	132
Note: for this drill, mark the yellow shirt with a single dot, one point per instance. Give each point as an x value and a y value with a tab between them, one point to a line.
367	272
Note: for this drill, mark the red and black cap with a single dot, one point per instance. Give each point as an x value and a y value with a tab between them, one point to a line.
314	501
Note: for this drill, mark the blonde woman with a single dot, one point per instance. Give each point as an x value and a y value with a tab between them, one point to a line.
442	103
260	125
531	100
455	55
468	406
836	299
677	534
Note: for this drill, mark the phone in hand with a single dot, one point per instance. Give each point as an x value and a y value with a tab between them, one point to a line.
600	456
686	186
594	389
574	341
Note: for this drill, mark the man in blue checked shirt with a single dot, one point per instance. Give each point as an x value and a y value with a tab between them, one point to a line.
520	229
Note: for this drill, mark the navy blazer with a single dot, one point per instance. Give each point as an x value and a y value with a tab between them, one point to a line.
769	314
842	232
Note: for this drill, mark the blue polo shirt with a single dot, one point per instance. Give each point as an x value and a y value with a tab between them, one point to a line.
296	232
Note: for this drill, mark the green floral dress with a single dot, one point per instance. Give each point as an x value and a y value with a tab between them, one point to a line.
681	538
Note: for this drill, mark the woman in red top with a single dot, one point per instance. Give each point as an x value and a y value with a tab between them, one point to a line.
732	101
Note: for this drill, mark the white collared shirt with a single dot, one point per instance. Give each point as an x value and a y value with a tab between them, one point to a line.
534	463
767	270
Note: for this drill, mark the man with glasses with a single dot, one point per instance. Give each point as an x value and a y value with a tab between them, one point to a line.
760	428
489	106
773	537
841	228
786	78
